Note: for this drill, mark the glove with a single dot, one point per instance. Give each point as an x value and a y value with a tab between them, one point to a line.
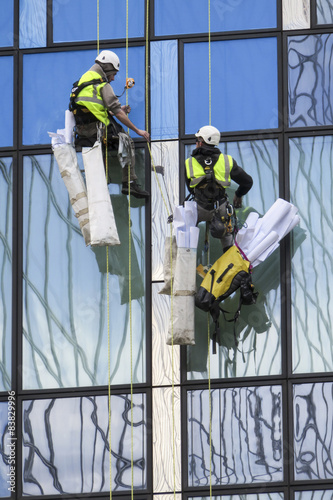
237	202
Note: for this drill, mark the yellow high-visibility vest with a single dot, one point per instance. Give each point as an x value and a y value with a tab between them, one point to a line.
222	168
90	96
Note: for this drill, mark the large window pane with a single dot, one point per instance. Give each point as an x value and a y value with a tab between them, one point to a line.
6	23
62	69
246	436
5	271
33	23
6	100
164	89
312	308
313	448
243	84
66	445
191	16
65	308
258	329
324	9
112	20
309	80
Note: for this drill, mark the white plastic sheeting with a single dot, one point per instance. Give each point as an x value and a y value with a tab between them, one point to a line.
259	237
169	264
91	204
184	225
103	227
181	328
67	162
183	270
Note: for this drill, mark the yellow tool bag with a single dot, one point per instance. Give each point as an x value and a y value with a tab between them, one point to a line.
230	272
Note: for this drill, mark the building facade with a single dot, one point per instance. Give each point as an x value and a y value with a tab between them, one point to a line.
91	393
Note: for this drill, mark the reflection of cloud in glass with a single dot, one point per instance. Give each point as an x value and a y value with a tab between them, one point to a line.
5	270
309	80
246	438
310	185
324	11
65	309
258	328
313	408
66	444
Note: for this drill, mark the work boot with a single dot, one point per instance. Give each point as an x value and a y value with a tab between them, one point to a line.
135	190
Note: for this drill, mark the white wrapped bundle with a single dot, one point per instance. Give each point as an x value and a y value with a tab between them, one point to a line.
67	162
103	227
261	236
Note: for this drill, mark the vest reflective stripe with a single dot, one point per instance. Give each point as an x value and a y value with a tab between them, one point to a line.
222	169
91	98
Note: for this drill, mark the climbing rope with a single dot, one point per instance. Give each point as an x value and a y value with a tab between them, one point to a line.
97	27
107	293
130	275
208	319
108	328
210	67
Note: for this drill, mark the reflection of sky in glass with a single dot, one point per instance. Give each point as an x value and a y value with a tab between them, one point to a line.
6	99
5	270
313	415
174	17
5	451
65	310
164	89
247	100
246	436
310	186
75	432
85	14
7	23
56	65
258	328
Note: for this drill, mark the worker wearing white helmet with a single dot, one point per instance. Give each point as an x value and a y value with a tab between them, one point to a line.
208	174
94	101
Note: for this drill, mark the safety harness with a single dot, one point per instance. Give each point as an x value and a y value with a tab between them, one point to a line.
210	194
77	88
83	116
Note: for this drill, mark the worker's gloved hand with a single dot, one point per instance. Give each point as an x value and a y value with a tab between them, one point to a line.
237	202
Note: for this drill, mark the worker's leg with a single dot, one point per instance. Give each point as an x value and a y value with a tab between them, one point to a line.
131	157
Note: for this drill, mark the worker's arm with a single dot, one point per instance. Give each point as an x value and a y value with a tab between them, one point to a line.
123	118
244	182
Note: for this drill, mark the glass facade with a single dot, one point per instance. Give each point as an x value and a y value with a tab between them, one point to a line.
95	400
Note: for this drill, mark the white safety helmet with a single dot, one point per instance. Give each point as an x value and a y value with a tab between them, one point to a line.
209	134
108	57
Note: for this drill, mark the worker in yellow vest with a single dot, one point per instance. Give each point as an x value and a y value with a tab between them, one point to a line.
95	105
208	174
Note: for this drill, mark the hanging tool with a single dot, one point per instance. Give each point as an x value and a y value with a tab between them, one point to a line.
129	84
